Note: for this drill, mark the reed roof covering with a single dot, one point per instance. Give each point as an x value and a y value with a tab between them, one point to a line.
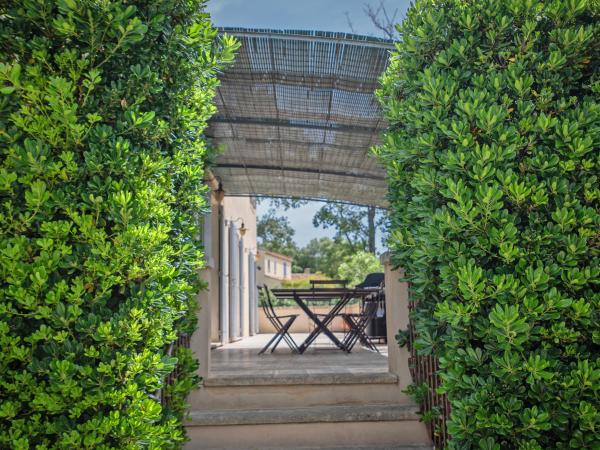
297	116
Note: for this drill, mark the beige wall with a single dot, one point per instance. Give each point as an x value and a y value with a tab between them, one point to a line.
208	299
233	208
244	208
303	324
397	318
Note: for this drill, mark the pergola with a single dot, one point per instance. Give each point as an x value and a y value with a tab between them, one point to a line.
297	116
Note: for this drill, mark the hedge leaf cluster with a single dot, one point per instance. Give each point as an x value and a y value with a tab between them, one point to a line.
494	164
102	109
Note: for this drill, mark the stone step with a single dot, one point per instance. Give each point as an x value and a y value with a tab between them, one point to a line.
283	379
369	426
297	391
376	447
343	413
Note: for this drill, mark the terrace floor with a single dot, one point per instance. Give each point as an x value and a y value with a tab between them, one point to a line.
240	360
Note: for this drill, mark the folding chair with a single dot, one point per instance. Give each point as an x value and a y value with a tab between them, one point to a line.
358	324
281	328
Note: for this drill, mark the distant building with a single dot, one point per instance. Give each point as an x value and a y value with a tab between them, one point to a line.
272	268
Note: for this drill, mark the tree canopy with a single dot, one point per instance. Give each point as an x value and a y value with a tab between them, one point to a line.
494	166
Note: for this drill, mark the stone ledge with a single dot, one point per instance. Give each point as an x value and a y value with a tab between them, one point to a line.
315	414
376	447
302	379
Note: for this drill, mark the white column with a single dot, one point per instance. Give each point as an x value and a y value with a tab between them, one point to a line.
234	293
223	279
253	304
242	280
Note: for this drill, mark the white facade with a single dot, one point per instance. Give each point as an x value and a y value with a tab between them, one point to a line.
228	306
272	268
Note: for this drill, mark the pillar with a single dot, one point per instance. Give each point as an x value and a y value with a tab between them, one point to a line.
252	294
234	294
396	304
242	287
223	278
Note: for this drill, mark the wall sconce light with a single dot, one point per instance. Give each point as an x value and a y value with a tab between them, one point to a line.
243	228
219	193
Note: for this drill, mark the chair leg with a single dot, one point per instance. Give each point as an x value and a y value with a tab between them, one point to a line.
289	340
264	349
285	335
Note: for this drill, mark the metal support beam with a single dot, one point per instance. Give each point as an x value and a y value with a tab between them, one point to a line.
333	126
317	36
302	170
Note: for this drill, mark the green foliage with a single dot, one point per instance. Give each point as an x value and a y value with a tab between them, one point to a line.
494	171
275	233
102	106
358	266
301	281
322	255
354	225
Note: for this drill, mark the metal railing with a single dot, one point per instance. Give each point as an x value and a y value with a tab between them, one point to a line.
424	370
183	340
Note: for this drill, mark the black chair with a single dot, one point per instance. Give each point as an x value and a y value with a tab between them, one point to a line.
377	329
281	328
358	324
372	281
316	283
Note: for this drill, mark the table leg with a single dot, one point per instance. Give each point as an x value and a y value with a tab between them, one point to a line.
322	325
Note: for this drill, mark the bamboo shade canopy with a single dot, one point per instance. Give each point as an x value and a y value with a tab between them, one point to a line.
297	116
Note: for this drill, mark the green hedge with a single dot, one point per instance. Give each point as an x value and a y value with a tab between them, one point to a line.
494	163
102	106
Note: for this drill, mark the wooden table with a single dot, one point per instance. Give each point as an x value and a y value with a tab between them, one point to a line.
302	297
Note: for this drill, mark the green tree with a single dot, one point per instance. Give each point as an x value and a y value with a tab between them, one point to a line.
356	225
357	266
322	255
276	234
102	108
493	165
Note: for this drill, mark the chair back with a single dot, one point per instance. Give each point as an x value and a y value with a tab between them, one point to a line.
369	309
372	281
315	283
267	305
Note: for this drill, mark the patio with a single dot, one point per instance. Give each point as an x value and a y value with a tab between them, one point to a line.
324	398
240	360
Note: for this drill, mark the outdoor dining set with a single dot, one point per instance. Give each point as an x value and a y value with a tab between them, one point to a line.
369	294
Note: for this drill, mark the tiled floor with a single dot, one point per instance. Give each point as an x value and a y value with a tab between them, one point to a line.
241	358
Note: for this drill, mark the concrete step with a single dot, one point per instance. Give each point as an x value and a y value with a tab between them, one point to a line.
297	391
376	447
344	413
295	378
342	427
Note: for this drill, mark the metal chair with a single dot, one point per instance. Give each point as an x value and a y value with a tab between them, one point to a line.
372	281
281	328
358	324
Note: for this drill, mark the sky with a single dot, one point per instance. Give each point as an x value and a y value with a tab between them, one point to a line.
322	15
